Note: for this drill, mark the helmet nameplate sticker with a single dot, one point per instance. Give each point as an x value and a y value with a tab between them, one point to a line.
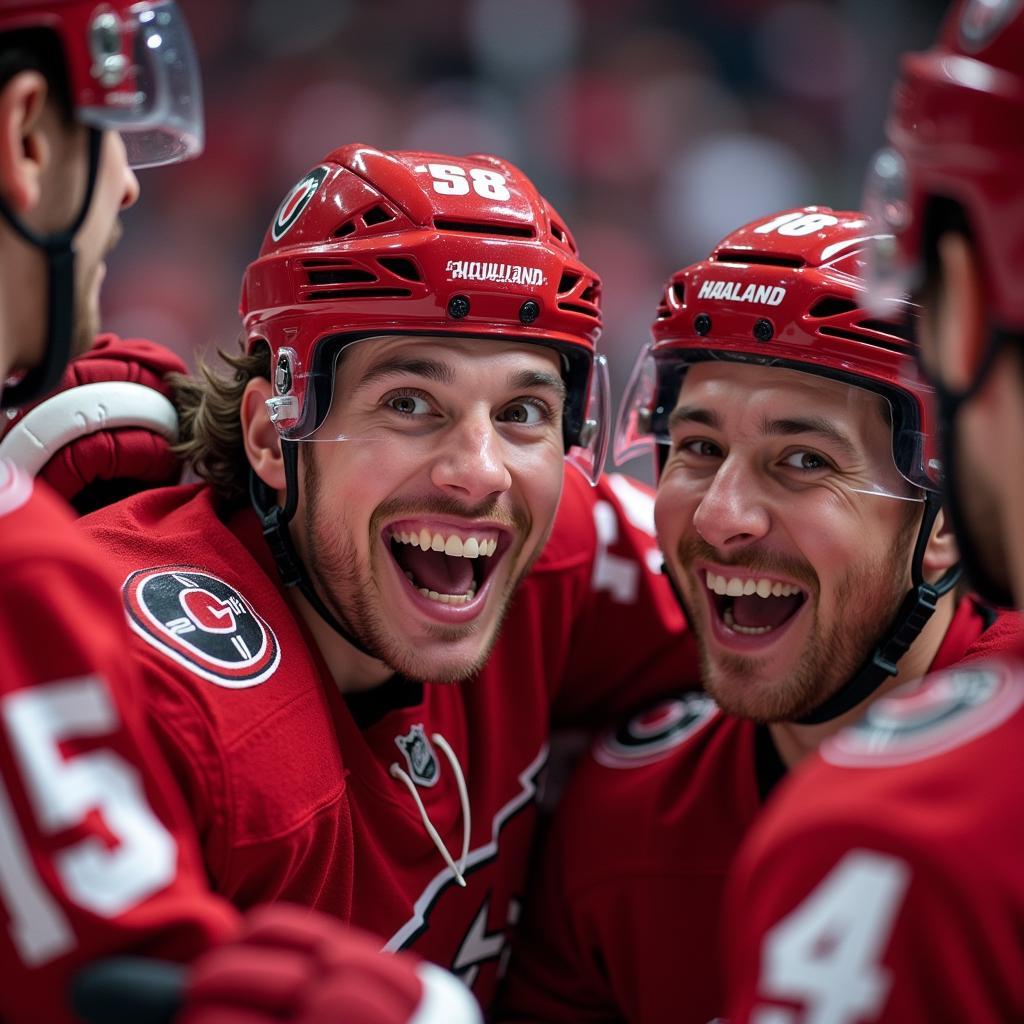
296	201
734	291
499	273
202	623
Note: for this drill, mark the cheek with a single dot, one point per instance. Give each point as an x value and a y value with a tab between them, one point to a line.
674	507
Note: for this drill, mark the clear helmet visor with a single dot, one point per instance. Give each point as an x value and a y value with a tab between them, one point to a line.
354	397
886	201
797	430
159	109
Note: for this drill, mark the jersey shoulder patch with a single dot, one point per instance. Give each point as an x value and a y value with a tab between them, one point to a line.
651	734
928	717
202	623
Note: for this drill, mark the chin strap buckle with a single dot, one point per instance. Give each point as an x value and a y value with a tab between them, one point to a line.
917	608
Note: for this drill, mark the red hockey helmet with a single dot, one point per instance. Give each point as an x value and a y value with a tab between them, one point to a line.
371	243
956	133
131	68
784	291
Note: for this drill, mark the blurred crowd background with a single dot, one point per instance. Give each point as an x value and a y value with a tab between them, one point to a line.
654	128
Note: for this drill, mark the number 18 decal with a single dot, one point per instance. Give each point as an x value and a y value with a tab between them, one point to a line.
826	953
62	791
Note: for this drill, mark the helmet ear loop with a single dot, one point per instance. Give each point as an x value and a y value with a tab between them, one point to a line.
60	269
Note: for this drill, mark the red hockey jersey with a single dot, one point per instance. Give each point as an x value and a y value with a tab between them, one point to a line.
291	785
886	882
623	922
97	854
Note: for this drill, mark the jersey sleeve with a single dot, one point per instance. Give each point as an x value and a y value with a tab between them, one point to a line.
629	641
97	855
868	914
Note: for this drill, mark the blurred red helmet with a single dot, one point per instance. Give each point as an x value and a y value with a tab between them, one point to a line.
785	291
956	132
371	243
131	67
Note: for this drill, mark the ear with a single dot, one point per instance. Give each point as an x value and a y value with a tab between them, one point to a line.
960	325
941	552
262	442
25	148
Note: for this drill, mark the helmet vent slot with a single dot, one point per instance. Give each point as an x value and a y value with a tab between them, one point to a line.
901	330
346	229
758	259
889	343
401	266
339	275
678	290
568	282
575	307
467	227
377	215
831	305
591	293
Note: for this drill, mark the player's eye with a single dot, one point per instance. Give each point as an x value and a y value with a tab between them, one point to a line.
408	404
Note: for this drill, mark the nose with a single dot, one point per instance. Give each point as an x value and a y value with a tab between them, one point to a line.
732	512
472	466
130	186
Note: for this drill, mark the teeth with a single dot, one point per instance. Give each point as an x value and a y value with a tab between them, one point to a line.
453	544
448	598
737	587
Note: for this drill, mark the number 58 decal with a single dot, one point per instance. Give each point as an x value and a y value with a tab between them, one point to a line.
452	180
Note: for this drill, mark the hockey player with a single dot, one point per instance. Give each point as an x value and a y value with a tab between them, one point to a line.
383	469
885	885
798	510
96	849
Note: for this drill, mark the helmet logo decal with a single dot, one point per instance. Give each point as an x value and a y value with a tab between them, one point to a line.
759	294
202	623
501	273
982	20
296	201
651	734
419	756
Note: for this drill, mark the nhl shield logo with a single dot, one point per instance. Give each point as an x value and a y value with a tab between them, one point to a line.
419	755
202	623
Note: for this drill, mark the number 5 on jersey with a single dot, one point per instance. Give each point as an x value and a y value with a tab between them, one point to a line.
62	791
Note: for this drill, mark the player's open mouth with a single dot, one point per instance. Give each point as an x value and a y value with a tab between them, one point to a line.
443	564
752	606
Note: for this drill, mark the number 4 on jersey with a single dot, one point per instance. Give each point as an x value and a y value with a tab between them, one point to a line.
826	953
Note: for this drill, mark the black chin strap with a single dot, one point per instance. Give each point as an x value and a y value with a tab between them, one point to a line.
42	378
275	520
917	608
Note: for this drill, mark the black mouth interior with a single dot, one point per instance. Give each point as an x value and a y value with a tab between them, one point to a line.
445	574
757	612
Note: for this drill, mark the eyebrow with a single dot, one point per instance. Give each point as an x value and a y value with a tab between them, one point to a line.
442	373
812	425
788	427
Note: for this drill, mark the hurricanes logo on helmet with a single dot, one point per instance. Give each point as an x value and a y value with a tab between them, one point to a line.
203	623
295	202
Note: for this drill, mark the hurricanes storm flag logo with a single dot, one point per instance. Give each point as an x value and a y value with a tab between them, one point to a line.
295	202
202	623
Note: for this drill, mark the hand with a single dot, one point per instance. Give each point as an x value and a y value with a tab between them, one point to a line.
295	966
